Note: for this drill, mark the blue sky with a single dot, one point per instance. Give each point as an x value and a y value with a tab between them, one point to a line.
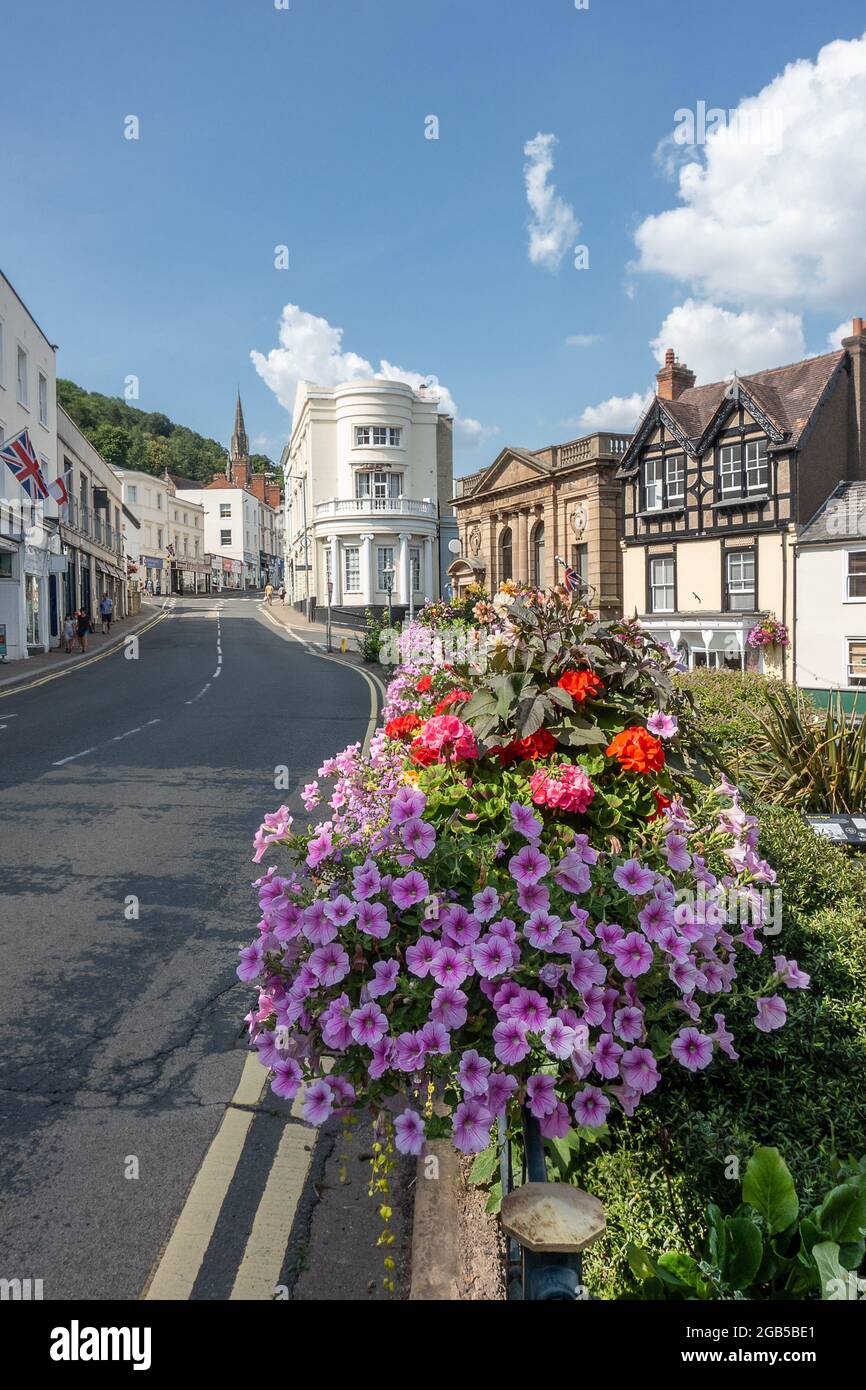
305	127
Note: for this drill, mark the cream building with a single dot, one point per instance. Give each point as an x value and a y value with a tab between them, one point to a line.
31	560
93	524
717	482
368	478
150	499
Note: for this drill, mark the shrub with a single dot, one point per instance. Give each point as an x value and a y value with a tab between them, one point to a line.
802	1091
732	710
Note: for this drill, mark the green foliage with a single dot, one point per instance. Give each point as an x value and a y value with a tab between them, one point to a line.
764	1250
800	1089
369	644
146	440
815	762
732	712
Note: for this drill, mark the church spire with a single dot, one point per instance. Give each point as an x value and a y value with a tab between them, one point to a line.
240	449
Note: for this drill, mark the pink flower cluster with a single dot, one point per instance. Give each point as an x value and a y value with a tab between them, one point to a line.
563	788
446	736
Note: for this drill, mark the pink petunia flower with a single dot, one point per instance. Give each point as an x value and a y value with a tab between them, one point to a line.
634	878
287	1078
318	1103
772	1013
385	978
473	1073
591	1107
541	1094
471	1126
528	865
639	1070
633	955
510	1042
418	836
525	822
368	1024
408	891
330	963
409	1132
694	1050
662	725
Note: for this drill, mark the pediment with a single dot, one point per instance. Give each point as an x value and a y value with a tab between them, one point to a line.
510	469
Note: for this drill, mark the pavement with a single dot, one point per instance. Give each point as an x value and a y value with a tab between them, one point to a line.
137	1151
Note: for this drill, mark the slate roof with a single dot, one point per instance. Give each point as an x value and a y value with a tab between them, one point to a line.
841	518
789	396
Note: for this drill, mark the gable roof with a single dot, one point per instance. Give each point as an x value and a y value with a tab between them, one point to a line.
783	400
840	516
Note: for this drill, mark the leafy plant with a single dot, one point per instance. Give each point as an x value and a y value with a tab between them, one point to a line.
818	764
767	1248
369	643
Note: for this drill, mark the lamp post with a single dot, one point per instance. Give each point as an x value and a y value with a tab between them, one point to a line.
455	548
302	479
388	576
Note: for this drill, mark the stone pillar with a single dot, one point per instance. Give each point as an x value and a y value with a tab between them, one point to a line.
428	567
404	577
336	573
523	567
367	580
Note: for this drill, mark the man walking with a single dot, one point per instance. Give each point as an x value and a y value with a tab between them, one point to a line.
106	612
269	592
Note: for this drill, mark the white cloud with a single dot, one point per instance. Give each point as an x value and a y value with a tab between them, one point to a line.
620	413
553	227
582	339
772	206
311	349
716	342
835	336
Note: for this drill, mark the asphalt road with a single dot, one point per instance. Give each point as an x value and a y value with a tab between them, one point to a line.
120	1037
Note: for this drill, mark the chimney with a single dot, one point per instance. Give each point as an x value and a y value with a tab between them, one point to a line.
272	495
239	474
856	348
257	486
674	378
220	477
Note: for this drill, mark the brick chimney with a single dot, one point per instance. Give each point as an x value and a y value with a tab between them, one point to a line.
856	347
673	378
258	485
239	474
272	495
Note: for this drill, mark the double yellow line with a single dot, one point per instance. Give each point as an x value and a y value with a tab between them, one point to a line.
88	661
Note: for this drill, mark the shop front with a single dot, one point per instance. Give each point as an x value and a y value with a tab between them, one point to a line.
156	581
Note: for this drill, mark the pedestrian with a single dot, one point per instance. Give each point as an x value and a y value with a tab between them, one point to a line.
282	593
83	626
106	612
68	632
269	592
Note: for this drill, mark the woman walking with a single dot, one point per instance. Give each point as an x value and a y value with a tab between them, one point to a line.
83	626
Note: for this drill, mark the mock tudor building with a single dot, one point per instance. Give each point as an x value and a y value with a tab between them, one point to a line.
529	509
718	480
369	481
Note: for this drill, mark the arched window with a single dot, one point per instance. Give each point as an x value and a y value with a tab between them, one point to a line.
538	556
505	569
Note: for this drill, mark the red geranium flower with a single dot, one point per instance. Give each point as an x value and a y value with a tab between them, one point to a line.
637	751
424	684
662	803
537	745
452	698
403	726
581	685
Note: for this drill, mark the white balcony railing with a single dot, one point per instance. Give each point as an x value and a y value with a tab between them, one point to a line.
370	506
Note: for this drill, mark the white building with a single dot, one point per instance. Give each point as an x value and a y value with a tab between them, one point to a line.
829	638
148	498
368	473
92	527
31	559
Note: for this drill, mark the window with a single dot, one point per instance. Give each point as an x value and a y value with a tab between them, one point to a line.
175	514
652	485
415	567
225	509
5	564
731	470
22	377
857	660
379	487
226	537
382	436
159	538
675	479
662	584
43	399
159	501
506	550
385	563
132	492
740	580
538	556
580	564
857	573
352	555
756	465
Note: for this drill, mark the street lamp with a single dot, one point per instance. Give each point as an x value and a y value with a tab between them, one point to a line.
456	548
302	479
388	576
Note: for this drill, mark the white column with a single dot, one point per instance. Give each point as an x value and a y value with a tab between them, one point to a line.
428	567
336	575
404	576
367	569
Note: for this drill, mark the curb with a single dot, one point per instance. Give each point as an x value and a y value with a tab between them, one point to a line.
29	677
435	1256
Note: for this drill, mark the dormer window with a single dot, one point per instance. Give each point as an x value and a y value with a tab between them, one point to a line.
743	469
664	483
378	437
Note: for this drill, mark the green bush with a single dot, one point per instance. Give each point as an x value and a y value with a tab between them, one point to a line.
801	1089
731	707
370	640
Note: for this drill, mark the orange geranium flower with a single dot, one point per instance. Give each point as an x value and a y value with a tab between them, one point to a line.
637	751
581	685
403	726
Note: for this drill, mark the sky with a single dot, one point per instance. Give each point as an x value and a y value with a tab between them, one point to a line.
284	212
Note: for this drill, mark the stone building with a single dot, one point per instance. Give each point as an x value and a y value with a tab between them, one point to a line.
530	509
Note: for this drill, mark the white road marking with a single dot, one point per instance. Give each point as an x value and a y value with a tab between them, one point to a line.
203	691
117	737
72	757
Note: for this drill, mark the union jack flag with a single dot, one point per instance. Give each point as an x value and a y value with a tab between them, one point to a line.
20	458
571	578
